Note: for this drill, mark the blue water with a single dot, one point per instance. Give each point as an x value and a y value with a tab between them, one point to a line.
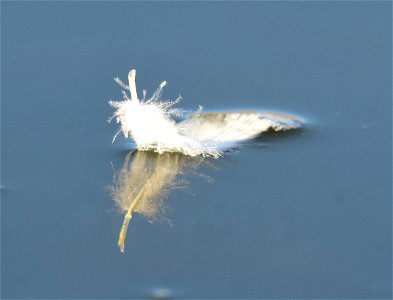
306	214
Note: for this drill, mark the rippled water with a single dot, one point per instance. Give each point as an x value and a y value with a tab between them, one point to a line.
303	214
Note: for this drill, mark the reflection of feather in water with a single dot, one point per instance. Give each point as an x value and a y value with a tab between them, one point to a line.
143	182
149	123
139	187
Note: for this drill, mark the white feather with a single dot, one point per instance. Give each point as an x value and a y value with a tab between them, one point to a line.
224	127
150	125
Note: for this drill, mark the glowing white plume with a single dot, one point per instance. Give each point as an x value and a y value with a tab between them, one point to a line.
150	125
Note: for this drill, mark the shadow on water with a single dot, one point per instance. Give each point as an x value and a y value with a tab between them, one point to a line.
287	134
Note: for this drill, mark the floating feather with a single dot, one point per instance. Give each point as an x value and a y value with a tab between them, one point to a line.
150	124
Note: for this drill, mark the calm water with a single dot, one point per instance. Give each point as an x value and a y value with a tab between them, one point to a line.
300	215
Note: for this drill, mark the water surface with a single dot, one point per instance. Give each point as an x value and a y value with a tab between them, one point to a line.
305	214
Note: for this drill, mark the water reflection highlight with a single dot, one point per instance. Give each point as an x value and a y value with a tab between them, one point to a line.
144	181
